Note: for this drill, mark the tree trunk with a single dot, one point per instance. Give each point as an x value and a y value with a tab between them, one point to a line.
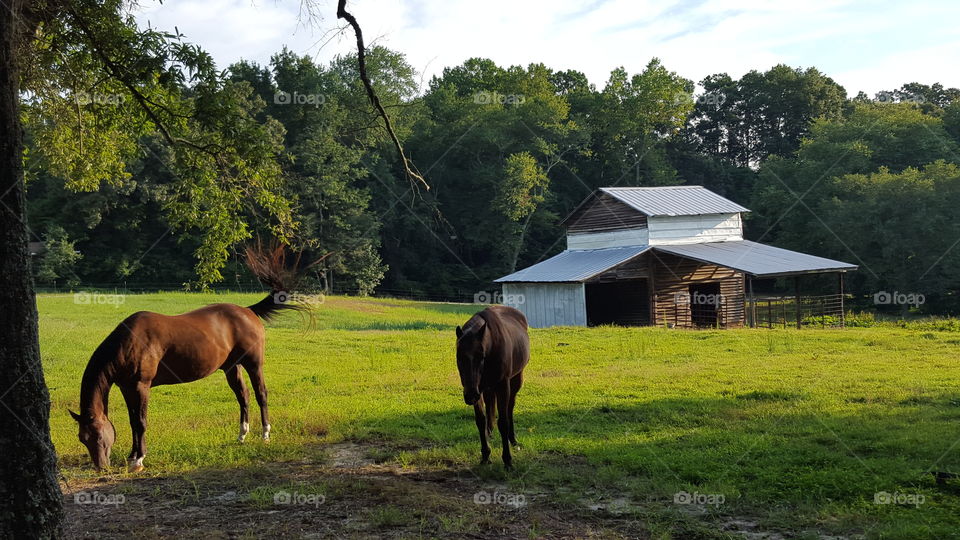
519	248
31	505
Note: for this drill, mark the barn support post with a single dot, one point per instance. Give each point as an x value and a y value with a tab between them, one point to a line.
843	314
796	287
753	304
652	294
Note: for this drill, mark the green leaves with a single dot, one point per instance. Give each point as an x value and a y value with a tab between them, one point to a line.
522	187
105	92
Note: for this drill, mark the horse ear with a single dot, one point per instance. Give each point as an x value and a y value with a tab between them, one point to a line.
74	415
459	332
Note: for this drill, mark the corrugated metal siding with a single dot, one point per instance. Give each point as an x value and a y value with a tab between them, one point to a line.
575	265
756	259
548	304
674	200
694	229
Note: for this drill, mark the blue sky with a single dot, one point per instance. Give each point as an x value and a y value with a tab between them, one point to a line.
868	46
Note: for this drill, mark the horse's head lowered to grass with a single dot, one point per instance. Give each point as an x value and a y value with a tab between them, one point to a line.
98	436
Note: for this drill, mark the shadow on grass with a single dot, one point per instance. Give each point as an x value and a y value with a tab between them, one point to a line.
774	456
771	454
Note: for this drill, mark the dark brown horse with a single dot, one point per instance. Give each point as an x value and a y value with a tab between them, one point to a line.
149	349
492	349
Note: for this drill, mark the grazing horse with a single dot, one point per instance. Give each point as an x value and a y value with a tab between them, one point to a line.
492	349
149	349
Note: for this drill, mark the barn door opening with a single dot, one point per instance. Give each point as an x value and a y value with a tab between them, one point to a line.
705	304
625	303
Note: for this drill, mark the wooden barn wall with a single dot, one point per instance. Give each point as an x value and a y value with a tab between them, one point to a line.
548	304
605	213
673	275
633	269
607	239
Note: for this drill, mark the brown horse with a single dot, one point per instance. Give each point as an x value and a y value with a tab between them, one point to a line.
493	347
149	349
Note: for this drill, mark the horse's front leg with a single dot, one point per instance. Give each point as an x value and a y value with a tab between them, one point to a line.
482	428
137	397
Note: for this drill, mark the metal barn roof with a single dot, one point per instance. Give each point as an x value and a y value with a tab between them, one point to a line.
759	260
574	265
674	200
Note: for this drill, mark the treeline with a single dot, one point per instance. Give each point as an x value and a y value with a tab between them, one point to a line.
509	151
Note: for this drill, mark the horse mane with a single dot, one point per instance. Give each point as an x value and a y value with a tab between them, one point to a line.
96	380
489	320
271	267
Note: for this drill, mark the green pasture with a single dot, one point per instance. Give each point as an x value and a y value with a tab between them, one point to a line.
795	431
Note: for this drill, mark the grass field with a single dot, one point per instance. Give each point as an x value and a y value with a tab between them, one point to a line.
770	433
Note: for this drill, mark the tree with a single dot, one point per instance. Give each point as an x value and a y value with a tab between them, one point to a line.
30	499
744	121
800	198
903	227
629	122
59	258
97	86
521	191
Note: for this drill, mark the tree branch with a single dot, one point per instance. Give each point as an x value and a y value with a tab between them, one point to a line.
408	166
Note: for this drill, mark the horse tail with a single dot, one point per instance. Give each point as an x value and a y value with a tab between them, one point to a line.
272	268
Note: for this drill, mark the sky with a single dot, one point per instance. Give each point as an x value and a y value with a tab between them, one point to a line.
868	46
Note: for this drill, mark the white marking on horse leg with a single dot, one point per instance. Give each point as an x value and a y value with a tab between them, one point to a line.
244	429
266	432
135	465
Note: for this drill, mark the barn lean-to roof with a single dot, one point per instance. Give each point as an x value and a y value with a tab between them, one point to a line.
574	265
755	259
752	258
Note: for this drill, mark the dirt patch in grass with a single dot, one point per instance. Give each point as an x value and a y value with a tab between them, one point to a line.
347	496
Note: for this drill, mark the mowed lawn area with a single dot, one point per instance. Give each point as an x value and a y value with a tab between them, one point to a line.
634	432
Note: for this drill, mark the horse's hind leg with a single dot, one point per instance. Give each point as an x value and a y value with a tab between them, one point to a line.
503	422
515	385
235	380
255	371
136	398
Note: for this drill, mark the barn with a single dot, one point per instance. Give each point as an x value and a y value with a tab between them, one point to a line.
670	256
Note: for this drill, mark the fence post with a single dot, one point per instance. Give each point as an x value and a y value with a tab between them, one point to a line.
796	286
843	315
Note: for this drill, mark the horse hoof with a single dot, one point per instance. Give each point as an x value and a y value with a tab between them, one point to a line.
133	469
